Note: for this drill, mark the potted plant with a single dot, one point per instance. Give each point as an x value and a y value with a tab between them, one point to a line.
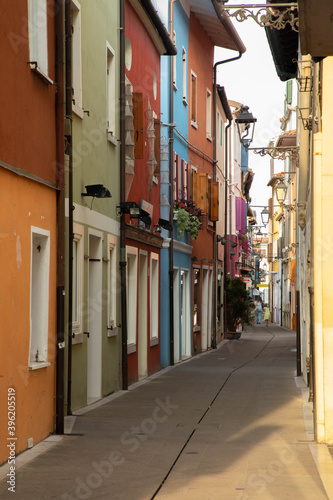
188	218
238	311
244	243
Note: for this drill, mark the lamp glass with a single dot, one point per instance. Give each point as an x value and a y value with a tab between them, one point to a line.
265	216
281	192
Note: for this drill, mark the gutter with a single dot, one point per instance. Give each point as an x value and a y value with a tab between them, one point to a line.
170	49
229	27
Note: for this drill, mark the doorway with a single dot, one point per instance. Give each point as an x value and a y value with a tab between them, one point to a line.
185	314
94	341
143	317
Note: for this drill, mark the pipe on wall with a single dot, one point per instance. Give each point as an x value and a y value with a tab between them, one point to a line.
122	261
68	107
60	156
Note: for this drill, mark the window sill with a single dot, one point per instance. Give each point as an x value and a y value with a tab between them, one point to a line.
209	137
34	67
78	110
111	138
153	341
175	87
196	329
185	101
113	332
78	339
131	348
38	365
194	124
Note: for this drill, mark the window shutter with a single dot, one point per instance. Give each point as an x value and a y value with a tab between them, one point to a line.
202	201
184	179
194	186
178	190
214	201
138	124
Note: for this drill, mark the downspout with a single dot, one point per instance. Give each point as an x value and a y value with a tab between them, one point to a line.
218	63
68	83
122	261
171	139
60	156
226	173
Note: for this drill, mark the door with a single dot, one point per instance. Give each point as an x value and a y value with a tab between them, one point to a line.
185	314
176	316
143	317
204	309
94	341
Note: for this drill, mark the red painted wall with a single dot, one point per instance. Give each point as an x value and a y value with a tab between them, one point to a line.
27	123
145	61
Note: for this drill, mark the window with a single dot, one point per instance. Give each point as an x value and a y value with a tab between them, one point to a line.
193	100
76	59
77	302
209	115
132	284
39	297
154	296
110	90
112	287
37	11
184	75
174	65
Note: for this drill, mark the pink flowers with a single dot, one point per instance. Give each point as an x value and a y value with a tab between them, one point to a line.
244	244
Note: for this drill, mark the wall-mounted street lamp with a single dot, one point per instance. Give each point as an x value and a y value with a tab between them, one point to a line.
135	212
265	216
245	126
97	191
223	241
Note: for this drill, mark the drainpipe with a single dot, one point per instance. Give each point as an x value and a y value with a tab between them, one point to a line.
171	135
226	172
68	83
60	156
122	261
218	63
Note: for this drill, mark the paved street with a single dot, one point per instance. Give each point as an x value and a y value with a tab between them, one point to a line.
230	424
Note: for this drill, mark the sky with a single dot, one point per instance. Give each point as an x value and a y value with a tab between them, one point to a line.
253	81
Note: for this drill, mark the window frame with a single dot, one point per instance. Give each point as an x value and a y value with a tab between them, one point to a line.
112	287
194	100
76	59
39	295
132	297
111	93
77	325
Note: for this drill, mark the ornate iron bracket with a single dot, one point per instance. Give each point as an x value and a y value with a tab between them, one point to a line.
278	153
276	15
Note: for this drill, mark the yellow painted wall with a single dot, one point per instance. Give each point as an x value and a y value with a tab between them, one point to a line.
323	254
24	203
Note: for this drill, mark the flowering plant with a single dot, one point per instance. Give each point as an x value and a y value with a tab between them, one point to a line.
244	244
189	218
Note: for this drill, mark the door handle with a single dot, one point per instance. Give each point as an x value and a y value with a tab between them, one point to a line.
86	333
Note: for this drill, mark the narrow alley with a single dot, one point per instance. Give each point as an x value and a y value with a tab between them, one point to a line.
230	424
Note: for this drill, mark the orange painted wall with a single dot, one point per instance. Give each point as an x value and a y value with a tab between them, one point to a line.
24	204
27	123
201	62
